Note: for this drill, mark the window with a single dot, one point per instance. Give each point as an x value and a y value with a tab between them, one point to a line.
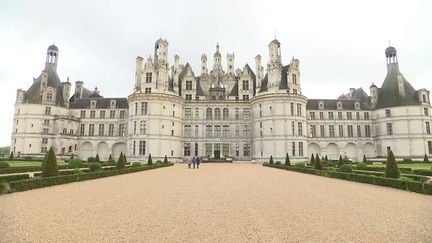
122	114
101	129
313	131
358	115
331	131
208	149
143	127
387	113
294	78
430	147
366	115
300	148
225	149
237	113
312	115
299	109
225	131
82	129
350	131
135	127
293	128
340	115
292	109
246	130
111	130
246	149
237	130
245	97
300	129
172	132
424	98
389	129
136	109
91	130
134	147
188	85
112	114
47	111
209	114
225	114
217	131
427	128
217	115
147	90
187	131
144	106
246	114
188	113
209	131
341	131
49	96
142	147
237	153
102	114
196	113
196	149
293	149
349	115
322	131
188	97
330	116
92	114
148	78
82	114
367	131
196	131
44	140
43	149
426	111
46	122
245	85
187	149
321	115
358	131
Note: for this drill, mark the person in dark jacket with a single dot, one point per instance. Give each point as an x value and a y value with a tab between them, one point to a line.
198	161
194	160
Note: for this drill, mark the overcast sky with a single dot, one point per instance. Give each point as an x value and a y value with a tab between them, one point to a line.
340	44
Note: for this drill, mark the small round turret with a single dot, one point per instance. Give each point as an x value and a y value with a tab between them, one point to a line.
390	51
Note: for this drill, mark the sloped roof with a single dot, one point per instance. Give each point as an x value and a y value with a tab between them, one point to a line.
101	103
33	94
331	104
234	90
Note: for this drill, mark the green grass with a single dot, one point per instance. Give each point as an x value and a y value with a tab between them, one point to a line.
29	163
415	166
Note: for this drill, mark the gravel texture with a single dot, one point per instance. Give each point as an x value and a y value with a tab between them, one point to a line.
217	203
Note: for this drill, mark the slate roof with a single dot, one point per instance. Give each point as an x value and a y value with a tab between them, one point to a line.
199	89
331	104
85	94
234	91
101	103
33	94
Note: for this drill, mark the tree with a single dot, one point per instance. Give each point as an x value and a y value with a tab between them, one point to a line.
271	160
287	160
11	156
317	157
121	161
149	161
110	159
165	161
97	158
125	160
318	164
326	159
49	167
312	159
364	158
341	161
391	170
426	159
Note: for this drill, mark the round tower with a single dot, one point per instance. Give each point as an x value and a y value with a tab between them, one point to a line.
52	57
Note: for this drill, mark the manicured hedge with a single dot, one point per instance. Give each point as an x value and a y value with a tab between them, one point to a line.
34	183
9	178
419	178
423	172
414	186
22	169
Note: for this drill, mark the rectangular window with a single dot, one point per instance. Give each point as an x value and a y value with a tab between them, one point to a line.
300	129
47	111
300	148
387	113
208	149
358	115
82	129
341	131
321	115
196	149
246	114
135	127
322	131
313	131
246	130
293	149
366	115
43	149
188	97
245	97
225	149
147	90
144	106
142	147
367	131
428	128
331	131
122	129
188	85
46	122
245	85
237	130
91	130
340	115
209	131
350	131
237	113
294	78
312	115
187	131
225	131
299	109
389	129
111	130
112	114
330	116
143	127
82	114
217	131
358	131
148	78
293	128
188	113
426	111
101	129
246	149
196	131
44	140
196	113
136	108
122	114
102	114
430	147
92	114
49	96
292	109
349	115
134	148
187	149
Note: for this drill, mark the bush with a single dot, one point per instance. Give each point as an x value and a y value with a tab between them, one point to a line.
75	163
95	167
364	159
407	160
97	159
136	165
361	166
287	160
341	161
28	158
406	170
149	161
11	156
300	165
165	161
121	163
4	165
91	159
345	168
392	170
403	178
14	177
318	164
426	159
271	160
312	159
49	165
158	161
331	169
77	171
110	159
423	172
278	163
4	187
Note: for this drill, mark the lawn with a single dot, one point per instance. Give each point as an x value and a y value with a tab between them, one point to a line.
29	163
415	166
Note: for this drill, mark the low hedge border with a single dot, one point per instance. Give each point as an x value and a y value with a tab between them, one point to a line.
413	186
24	185
12	170
419	178
9	178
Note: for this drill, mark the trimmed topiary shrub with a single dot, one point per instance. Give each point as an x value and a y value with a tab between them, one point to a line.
287	160
136	165
121	162
4	165
300	165
110	159
312	159
407	160
318	164
425	159
75	163
125	159
95	166
345	168
97	159
364	159
158	161
91	159
278	163
49	167
11	156
271	160
149	161
165	161
326	159
392	170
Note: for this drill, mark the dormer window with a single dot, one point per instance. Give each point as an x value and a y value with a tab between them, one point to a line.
93	104
339	106
321	105
113	104
49	96
357	105
188	85
245	85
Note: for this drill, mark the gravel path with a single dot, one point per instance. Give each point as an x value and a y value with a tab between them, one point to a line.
217	203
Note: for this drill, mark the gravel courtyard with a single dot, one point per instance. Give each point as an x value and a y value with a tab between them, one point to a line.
217	203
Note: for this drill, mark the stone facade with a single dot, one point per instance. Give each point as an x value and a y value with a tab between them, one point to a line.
241	113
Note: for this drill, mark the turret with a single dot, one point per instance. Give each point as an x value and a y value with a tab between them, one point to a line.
79	85
138	73
52	57
217	59
161	61
275	66
373	89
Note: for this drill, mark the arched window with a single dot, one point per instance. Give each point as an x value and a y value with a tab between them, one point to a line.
217	114
225	113
209	114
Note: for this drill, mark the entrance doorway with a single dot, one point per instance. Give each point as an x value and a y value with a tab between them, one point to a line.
217	154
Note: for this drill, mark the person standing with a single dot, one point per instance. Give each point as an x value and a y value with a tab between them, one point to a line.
198	161
194	160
